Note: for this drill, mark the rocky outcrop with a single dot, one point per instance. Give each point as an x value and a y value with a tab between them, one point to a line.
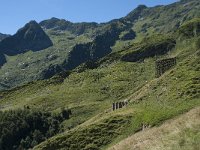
2	59
100	47
129	35
3	36
30	37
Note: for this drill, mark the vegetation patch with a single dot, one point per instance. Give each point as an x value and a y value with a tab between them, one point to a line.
150	47
190	29
25	128
93	137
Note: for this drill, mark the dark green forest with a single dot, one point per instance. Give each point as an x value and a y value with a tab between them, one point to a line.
25	128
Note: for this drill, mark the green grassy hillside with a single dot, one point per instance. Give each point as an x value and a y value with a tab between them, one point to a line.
176	92
66	37
179	133
90	89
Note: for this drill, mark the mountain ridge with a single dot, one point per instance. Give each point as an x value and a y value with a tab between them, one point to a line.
67	36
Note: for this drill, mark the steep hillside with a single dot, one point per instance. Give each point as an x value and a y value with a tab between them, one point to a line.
177	91
67	37
164	18
181	133
91	88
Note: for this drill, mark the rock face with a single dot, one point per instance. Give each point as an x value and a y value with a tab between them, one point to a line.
92	51
3	36
130	35
30	37
2	59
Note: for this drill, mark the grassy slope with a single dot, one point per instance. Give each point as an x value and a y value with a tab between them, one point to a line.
92	92
27	67
88	92
180	133
174	93
161	19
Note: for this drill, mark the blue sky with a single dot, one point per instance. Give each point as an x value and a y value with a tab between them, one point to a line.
15	13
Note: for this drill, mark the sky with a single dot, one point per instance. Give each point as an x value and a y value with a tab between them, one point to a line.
14	14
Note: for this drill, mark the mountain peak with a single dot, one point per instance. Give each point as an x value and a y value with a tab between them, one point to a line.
32	25
141	7
30	37
33	22
135	14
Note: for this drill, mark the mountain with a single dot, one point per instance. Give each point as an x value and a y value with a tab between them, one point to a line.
75	43
3	36
90	90
64	94
151	100
30	37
